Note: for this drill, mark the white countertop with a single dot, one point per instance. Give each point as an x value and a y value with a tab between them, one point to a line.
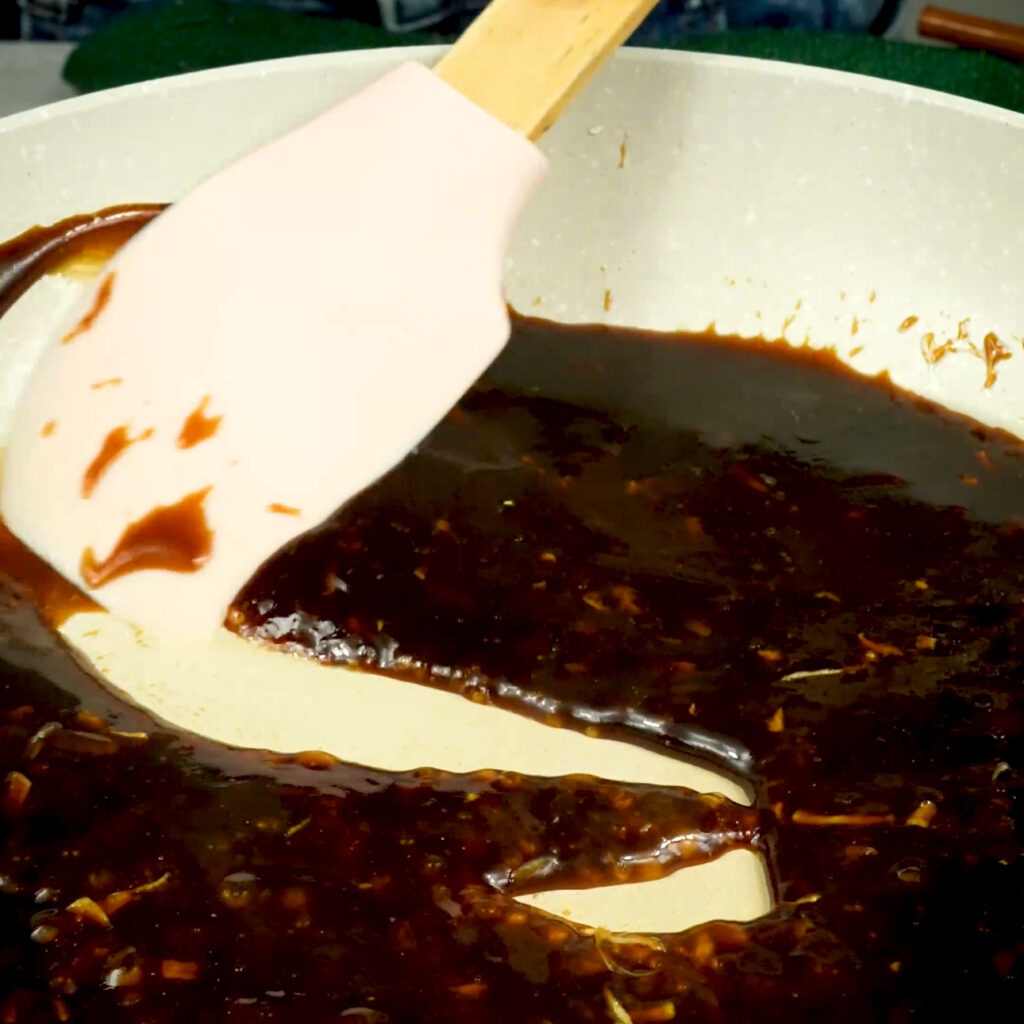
30	73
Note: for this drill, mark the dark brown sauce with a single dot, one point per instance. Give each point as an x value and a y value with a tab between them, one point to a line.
115	444
43	250
99	303
55	598
729	552
748	556
198	427
175	538
147	874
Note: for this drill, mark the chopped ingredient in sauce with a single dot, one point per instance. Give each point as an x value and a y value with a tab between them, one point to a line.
148	874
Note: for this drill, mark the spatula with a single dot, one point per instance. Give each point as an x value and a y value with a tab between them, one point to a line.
285	333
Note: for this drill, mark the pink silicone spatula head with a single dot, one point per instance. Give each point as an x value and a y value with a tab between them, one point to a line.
285	333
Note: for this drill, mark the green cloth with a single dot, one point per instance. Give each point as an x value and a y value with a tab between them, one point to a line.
188	35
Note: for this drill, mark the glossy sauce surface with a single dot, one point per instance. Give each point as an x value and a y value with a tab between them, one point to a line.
730	552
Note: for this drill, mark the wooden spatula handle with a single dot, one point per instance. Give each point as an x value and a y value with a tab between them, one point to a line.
523	60
971	32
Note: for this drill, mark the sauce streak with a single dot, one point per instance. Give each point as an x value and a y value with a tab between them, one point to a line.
99	303
283	510
198	427
171	537
114	446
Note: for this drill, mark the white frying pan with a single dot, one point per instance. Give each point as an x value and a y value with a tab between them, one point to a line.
768	199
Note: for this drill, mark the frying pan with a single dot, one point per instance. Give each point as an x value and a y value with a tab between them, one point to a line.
764	199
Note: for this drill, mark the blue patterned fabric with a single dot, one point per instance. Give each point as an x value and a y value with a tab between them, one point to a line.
75	19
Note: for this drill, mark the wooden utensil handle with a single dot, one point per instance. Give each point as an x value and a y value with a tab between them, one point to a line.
523	60
974	33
